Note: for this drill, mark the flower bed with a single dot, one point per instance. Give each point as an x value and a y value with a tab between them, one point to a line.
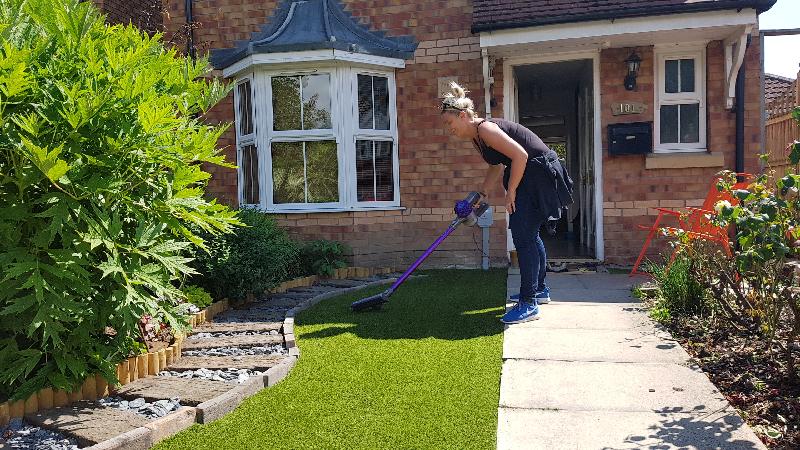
151	363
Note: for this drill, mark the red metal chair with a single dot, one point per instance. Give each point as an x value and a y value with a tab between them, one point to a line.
695	222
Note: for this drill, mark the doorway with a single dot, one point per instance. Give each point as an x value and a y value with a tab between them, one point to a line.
556	100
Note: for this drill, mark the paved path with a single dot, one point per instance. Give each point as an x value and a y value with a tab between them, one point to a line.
596	373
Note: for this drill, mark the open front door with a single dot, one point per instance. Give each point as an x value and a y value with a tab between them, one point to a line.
586	167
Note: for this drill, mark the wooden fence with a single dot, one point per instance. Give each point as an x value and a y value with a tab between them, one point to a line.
782	129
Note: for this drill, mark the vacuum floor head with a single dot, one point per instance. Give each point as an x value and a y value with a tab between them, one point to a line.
374	302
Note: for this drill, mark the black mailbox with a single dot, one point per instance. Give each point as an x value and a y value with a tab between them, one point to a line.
630	138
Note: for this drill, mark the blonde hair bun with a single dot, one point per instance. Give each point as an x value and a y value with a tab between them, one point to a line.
457	98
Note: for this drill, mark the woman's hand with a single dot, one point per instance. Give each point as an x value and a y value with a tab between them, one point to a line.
511	198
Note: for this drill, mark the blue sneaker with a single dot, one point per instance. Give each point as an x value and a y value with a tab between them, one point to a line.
542	297
522	312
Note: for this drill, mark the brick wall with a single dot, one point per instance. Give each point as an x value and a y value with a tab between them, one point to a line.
630	190
435	169
145	14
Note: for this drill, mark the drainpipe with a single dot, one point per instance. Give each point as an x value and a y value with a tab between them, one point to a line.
740	100
487	98
190	50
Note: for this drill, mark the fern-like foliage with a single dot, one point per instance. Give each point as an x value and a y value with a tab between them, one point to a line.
101	188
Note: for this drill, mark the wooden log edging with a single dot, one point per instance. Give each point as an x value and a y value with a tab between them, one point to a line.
95	386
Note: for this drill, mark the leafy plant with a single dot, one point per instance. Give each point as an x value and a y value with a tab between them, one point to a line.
322	257
679	292
197	296
255	258
100	177
753	287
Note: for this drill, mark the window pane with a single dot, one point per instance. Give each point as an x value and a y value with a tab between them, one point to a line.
316	101
322	170
286	103
245	109
249	168
288	175
381	89
374	171
384	184
365	110
365	172
671	76
669	124
690	123
687	75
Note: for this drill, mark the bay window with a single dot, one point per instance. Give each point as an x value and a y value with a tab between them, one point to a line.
326	139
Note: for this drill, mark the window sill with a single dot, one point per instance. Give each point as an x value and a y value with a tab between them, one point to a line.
684	160
332	210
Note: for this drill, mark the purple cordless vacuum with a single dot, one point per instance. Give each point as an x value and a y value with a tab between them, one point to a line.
467	212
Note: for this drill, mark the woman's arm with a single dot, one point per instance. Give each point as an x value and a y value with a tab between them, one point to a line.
496	138
492	177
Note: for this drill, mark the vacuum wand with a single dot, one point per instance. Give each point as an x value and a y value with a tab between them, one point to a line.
467	212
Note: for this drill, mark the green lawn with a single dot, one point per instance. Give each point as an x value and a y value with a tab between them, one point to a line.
422	373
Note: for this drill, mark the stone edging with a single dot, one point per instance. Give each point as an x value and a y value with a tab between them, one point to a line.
146	365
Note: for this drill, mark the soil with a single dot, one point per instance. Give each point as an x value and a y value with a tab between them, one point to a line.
154	346
752	374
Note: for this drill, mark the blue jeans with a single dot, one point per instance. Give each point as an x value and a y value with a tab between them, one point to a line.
525	223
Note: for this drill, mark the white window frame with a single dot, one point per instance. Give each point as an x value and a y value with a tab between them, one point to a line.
344	131
270	136
375	135
696	51
248	139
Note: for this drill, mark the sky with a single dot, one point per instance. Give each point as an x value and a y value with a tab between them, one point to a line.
782	53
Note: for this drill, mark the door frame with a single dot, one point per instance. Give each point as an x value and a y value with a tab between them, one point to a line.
511	112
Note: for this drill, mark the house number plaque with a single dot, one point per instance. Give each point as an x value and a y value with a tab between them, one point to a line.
619	109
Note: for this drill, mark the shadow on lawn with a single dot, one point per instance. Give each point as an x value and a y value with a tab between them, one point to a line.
444	304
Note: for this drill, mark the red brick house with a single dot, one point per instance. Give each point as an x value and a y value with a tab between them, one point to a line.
337	131
145	14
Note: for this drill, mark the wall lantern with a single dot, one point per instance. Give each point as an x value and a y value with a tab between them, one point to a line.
632	63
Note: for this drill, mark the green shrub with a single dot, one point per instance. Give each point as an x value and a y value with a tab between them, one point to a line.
679	292
197	296
322	257
255	258
100	175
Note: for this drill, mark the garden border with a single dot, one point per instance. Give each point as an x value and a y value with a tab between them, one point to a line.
149	364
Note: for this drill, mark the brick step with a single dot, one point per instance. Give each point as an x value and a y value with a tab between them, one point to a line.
190	392
88	422
232	341
234	327
253	362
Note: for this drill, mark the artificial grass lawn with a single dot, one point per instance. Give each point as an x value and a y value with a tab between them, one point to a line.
423	373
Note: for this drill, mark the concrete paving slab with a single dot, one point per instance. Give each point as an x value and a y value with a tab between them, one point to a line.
190	392
88	422
645	346
253	362
590	296
592	280
232	341
520	429
591	317
214	327
607	386
601	375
